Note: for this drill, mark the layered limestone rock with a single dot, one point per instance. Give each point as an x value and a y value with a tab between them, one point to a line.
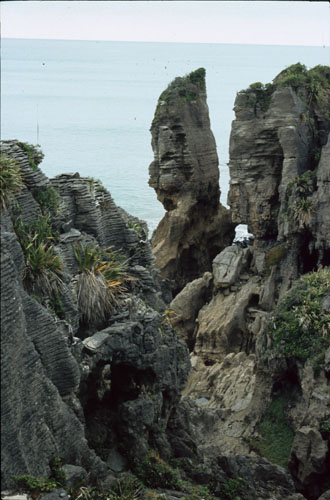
279	168
74	388
185	176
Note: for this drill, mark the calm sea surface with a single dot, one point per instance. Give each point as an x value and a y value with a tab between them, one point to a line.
90	104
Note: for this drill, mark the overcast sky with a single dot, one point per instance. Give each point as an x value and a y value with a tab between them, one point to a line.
256	22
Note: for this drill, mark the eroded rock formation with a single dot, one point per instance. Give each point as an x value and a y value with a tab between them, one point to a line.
279	187
71	389
100	392
185	176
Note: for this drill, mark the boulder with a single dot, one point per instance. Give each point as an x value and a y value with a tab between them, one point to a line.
227	266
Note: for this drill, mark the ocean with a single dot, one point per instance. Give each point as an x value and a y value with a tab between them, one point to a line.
90	104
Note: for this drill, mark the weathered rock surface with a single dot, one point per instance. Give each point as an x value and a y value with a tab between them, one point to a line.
267	150
185	176
320	221
236	372
37	367
103	393
63	396
185	306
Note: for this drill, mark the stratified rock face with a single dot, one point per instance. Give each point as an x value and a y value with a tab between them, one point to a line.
267	150
279	134
320	220
63	396
185	176
279	166
38	370
186	160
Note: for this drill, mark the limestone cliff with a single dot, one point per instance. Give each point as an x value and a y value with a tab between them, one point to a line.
185	176
81	387
249	367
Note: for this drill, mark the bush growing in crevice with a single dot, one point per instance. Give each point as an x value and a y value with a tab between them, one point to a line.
232	489
298	205
154	472
48	200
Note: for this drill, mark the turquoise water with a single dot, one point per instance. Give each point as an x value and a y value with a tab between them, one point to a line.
90	104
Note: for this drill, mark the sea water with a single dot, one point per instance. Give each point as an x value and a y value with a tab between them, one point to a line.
90	104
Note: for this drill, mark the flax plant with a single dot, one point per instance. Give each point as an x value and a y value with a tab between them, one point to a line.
43	268
100	282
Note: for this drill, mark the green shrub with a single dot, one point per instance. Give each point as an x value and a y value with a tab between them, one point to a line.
303	185
197	77
181	87
48	200
10	180
260	95
300	326
232	489
32	152
312	85
276	436
156	473
34	485
101	281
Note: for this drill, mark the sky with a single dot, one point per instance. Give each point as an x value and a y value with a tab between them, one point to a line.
247	22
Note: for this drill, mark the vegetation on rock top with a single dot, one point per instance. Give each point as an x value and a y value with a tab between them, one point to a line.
184	88
312	85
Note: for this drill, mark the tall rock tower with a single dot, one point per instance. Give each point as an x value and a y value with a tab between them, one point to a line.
185	176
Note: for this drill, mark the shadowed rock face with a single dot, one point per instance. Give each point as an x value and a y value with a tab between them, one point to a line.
185	176
73	389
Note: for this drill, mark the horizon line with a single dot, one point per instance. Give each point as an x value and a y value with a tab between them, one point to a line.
158	41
